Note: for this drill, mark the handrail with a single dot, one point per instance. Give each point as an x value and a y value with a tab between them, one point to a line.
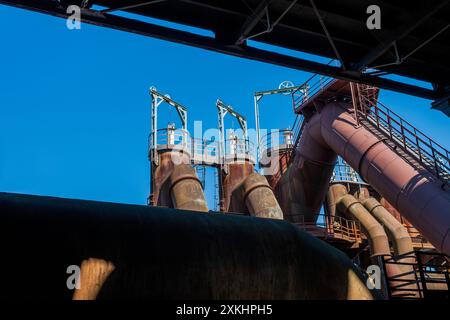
278	138
431	155
201	150
308	91
171	137
329	226
424	274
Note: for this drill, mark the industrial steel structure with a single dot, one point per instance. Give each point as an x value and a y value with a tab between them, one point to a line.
303	211
410	43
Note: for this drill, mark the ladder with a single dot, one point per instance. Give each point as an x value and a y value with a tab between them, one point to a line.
217	189
201	173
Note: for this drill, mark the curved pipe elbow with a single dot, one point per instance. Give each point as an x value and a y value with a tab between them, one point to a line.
374	230
414	192
396	231
259	197
186	190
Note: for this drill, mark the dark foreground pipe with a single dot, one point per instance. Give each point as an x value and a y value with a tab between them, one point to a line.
164	253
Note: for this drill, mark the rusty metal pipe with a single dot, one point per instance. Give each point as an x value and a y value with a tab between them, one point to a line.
403	248
415	193
259	197
378	240
231	200
396	231
168	160
186	189
302	189
165	253
335	192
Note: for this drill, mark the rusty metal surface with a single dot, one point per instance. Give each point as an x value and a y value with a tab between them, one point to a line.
362	193
237	173
335	192
186	189
402	245
418	240
379	243
165	253
278	164
302	189
397	233
160	176
415	193
259	197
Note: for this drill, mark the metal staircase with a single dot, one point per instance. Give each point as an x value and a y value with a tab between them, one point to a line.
407	141
402	137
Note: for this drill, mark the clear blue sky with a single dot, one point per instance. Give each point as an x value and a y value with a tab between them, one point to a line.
75	105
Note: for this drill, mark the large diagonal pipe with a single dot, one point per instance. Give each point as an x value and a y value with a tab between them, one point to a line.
415	193
152	252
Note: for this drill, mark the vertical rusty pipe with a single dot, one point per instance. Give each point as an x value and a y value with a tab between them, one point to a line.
259	198
335	192
186	190
168	160
238	171
403	248
93	275
395	230
378	240
362	193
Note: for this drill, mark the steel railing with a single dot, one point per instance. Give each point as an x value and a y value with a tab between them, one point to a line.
281	139
431	271
205	151
171	138
309	90
328	227
431	155
202	151
240	148
428	153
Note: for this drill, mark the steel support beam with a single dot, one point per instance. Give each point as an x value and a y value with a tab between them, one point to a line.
252	21
208	43
404	31
137	5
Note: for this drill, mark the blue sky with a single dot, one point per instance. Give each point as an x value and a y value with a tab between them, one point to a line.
75	112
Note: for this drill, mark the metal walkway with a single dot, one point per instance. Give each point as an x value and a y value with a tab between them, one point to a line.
402	137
